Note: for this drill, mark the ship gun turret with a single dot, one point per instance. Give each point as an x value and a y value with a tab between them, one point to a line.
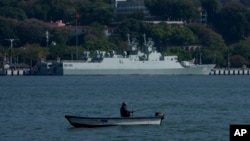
99	55
85	56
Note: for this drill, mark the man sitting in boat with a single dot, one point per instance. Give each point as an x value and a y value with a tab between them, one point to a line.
124	112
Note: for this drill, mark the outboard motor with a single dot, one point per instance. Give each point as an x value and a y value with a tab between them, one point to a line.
159	114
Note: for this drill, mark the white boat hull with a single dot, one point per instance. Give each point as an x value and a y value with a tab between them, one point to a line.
113	121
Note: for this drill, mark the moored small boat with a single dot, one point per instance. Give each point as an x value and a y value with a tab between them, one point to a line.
78	121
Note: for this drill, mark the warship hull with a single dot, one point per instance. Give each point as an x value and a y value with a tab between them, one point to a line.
133	62
97	69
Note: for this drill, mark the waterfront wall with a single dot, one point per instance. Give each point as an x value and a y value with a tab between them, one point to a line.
230	72
15	72
20	72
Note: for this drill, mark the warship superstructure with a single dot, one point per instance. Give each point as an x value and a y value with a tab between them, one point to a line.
133	62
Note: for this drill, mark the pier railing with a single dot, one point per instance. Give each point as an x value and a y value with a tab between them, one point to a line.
230	71
17	72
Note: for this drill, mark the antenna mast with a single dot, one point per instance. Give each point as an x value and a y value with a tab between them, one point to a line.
11	46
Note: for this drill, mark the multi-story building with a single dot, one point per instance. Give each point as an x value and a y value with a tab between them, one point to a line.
127	7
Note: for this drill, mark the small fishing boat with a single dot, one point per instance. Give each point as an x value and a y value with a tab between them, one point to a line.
78	121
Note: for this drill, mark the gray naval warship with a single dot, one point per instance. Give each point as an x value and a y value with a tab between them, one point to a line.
134	62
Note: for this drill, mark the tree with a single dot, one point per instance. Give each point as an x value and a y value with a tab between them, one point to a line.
94	32
156	8
95	11
185	10
207	37
102	13
136	15
8	3
233	22
242	48
40	11
12	12
34	52
216	57
131	26
62	10
102	45
8	28
61	36
245	2
181	35
32	31
212	44
238	61
161	34
173	9
212	7
212	56
180	52
56	51
2	55
85	12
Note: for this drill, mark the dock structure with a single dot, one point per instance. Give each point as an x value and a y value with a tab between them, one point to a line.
25	72
15	72
230	72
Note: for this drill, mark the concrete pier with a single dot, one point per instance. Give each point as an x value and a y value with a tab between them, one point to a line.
230	72
15	72
21	72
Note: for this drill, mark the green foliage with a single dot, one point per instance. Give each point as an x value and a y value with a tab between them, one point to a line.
57	51
60	36
94	32
229	21
218	57
61	10
161	34
2	55
132	26
12	12
99	45
207	37
8	3
101	13
8	28
242	48
173	9
212	7
181	35
233	22
31	53
245	2
136	15
171	35
180	52
32	31
40	12
35	51
238	61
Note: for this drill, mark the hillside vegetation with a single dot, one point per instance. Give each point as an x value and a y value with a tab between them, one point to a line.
224	37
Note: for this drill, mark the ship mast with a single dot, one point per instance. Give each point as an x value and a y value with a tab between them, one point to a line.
129	42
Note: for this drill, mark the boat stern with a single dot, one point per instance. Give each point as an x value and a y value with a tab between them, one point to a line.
159	114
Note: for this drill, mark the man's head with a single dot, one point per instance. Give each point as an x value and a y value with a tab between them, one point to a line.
124	104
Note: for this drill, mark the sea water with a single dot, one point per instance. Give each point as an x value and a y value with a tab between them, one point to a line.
196	108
